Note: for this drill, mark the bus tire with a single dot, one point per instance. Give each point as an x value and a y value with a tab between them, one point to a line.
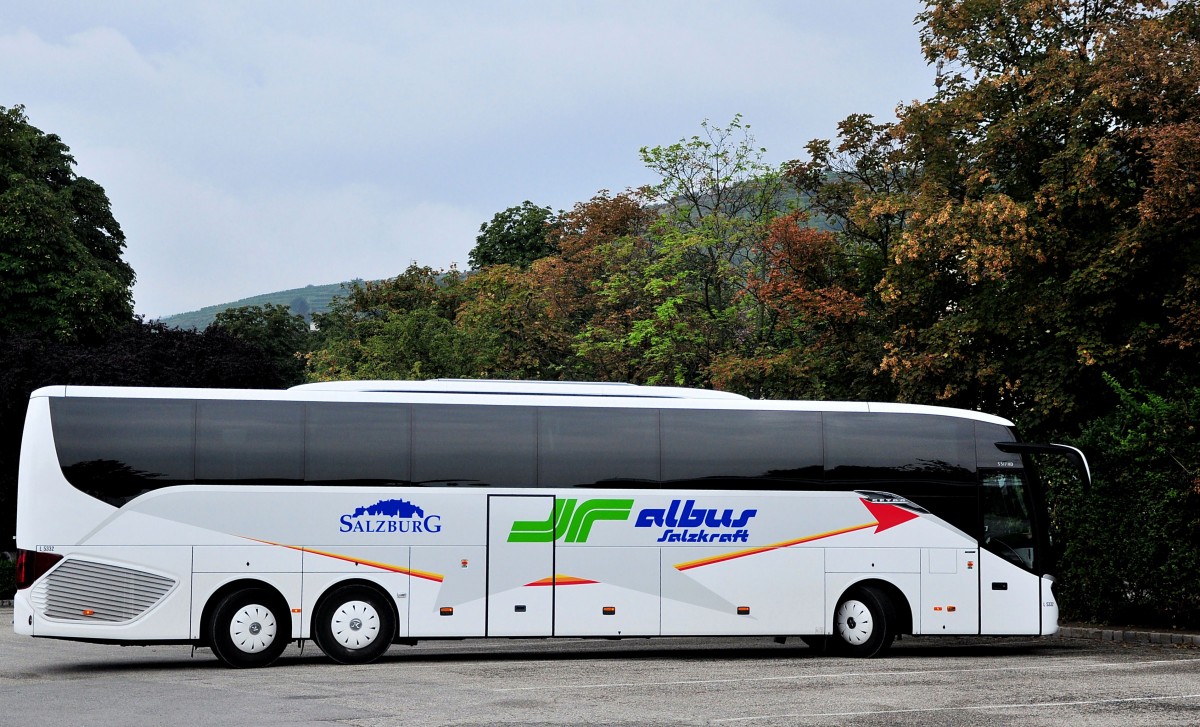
249	628
864	623
354	625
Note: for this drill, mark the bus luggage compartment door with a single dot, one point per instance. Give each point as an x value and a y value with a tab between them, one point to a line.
520	581
949	592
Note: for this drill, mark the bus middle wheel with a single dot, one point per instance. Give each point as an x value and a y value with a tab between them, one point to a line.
249	628
354	625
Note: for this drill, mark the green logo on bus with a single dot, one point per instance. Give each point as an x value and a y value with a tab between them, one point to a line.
569	520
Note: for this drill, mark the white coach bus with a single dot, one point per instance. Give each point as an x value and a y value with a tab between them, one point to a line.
361	514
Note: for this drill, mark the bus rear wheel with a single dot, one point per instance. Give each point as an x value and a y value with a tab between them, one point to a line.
864	623
354	625
249	628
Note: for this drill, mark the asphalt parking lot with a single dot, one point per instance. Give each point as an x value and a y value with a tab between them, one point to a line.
723	681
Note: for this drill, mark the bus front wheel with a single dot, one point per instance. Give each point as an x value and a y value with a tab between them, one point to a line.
249	628
863	624
354	625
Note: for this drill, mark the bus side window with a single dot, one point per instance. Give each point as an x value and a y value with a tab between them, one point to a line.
357	444
700	444
249	441
588	447
473	446
116	449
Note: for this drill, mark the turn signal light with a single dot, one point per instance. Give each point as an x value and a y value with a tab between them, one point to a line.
743	610
88	612
446	611
608	610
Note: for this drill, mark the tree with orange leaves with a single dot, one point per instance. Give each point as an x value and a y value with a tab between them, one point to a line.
1052	233
817	343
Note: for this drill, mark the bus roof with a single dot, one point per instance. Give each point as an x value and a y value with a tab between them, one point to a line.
515	393
509	387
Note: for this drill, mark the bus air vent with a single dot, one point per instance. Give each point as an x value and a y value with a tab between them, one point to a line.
81	590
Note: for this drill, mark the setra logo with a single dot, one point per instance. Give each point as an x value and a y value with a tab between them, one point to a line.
390	516
571	519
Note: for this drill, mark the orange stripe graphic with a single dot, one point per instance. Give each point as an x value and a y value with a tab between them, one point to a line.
561	580
427	575
435	577
765	548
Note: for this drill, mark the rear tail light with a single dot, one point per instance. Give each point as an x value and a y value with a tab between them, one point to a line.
32	566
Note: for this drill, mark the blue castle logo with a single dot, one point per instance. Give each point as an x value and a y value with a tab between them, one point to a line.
390	508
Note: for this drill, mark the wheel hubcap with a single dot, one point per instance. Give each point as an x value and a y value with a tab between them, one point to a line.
253	628
854	624
355	624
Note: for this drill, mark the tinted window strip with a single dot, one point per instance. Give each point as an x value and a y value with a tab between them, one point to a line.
122	474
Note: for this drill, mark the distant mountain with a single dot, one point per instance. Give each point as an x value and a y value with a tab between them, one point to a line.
305	301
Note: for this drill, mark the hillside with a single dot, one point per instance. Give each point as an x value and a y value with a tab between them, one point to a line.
306	301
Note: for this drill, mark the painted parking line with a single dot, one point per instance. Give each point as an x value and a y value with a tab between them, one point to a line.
844	675
968	708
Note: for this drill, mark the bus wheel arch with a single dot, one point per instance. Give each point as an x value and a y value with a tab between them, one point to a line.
247	623
867	618
901	604
354	621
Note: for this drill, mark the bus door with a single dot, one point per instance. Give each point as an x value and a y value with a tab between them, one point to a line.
520	565
1010	591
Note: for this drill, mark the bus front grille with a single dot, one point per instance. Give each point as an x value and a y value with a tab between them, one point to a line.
81	590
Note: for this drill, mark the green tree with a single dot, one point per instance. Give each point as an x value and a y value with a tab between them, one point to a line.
587	307
61	271
402	328
417	344
512	317
517	236
1132	543
364	301
690	294
275	330
718	193
655	329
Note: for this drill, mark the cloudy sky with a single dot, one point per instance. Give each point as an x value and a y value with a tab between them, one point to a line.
254	147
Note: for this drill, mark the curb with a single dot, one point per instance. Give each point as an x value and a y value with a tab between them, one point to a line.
1130	637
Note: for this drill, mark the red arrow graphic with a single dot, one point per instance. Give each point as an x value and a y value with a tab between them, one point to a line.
888	515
